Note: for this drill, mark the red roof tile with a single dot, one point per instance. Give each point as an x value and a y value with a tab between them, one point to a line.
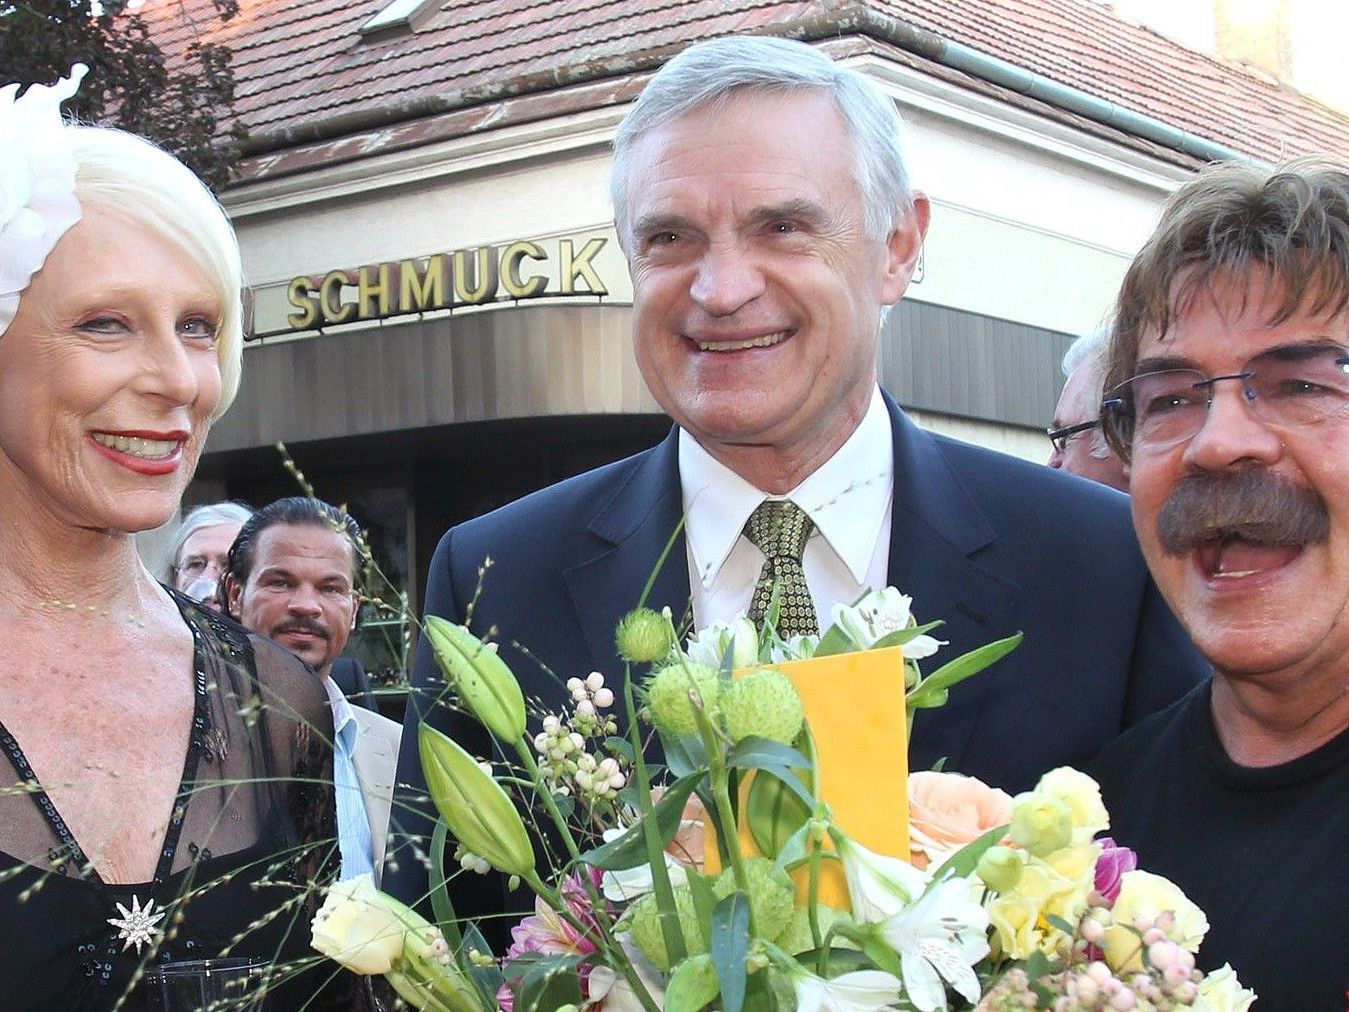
305	73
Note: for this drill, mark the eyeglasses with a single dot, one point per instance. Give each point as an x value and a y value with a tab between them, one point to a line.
1062	437
1285	387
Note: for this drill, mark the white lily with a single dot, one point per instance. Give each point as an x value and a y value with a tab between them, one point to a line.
878	614
938	940
858	991
878	886
710	645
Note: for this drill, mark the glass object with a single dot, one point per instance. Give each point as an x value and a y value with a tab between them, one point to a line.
1061	437
1286	387
206	985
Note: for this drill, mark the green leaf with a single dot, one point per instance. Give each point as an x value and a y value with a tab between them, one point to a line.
963	862
961	668
547	981
629	850
441	906
704	900
615	745
730	946
901	636
835	641
487	979
773	811
684	755
760	753
779	760
1061	924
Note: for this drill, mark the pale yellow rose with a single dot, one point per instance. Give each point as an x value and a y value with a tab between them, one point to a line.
1145	895
358	928
1014	919
1220	991
947	811
1082	795
1041	823
1077	863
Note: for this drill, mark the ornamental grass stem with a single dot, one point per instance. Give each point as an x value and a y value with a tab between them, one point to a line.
670	930
721	797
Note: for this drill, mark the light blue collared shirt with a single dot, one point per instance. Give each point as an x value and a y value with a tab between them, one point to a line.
353	824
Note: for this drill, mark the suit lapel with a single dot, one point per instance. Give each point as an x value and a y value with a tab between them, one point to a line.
630	531
936	532
374	761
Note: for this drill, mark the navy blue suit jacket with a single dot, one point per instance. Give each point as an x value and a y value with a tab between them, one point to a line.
984	541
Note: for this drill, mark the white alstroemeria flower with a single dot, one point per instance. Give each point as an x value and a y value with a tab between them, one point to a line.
939	939
859	991
800	647
876	616
710	645
630	883
879	886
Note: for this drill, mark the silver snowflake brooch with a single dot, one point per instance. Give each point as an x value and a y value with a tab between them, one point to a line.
139	925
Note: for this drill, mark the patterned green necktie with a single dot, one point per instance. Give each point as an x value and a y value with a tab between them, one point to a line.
779	529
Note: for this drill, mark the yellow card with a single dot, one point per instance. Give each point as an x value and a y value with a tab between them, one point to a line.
855	705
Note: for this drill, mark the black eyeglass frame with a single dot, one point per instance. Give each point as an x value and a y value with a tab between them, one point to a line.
1060	437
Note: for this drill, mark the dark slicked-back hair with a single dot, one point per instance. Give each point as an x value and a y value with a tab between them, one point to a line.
297	510
1291	223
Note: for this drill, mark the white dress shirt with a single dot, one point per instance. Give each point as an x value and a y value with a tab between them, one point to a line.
353	824
849	498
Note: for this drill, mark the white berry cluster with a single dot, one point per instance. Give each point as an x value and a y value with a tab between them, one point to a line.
572	756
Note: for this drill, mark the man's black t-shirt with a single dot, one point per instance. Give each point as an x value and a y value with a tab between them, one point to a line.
1263	851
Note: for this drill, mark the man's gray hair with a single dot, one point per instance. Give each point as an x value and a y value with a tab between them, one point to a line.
711	72
1096	343
211	515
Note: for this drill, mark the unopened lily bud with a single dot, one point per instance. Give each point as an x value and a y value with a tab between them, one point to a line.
1001	867
644	636
480	677
475	808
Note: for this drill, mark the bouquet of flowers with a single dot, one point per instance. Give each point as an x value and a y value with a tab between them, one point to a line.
725	877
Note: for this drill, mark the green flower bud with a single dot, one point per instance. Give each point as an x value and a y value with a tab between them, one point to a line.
644	636
667	693
475	808
1000	868
693	984
480	677
798	939
643	921
772	897
1041	823
764	704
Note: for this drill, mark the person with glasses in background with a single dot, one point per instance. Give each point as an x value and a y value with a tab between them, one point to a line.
1079	446
1228	393
199	553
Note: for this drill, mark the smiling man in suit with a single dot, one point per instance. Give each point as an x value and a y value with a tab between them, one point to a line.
763	205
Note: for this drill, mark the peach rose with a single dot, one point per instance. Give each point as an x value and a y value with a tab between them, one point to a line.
947	811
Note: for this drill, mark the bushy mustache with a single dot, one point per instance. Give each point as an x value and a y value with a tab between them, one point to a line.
1253	505
300	624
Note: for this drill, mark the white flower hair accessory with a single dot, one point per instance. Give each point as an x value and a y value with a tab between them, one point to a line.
37	183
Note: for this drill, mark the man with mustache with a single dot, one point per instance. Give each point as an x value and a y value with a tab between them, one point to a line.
1228	392
294	575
